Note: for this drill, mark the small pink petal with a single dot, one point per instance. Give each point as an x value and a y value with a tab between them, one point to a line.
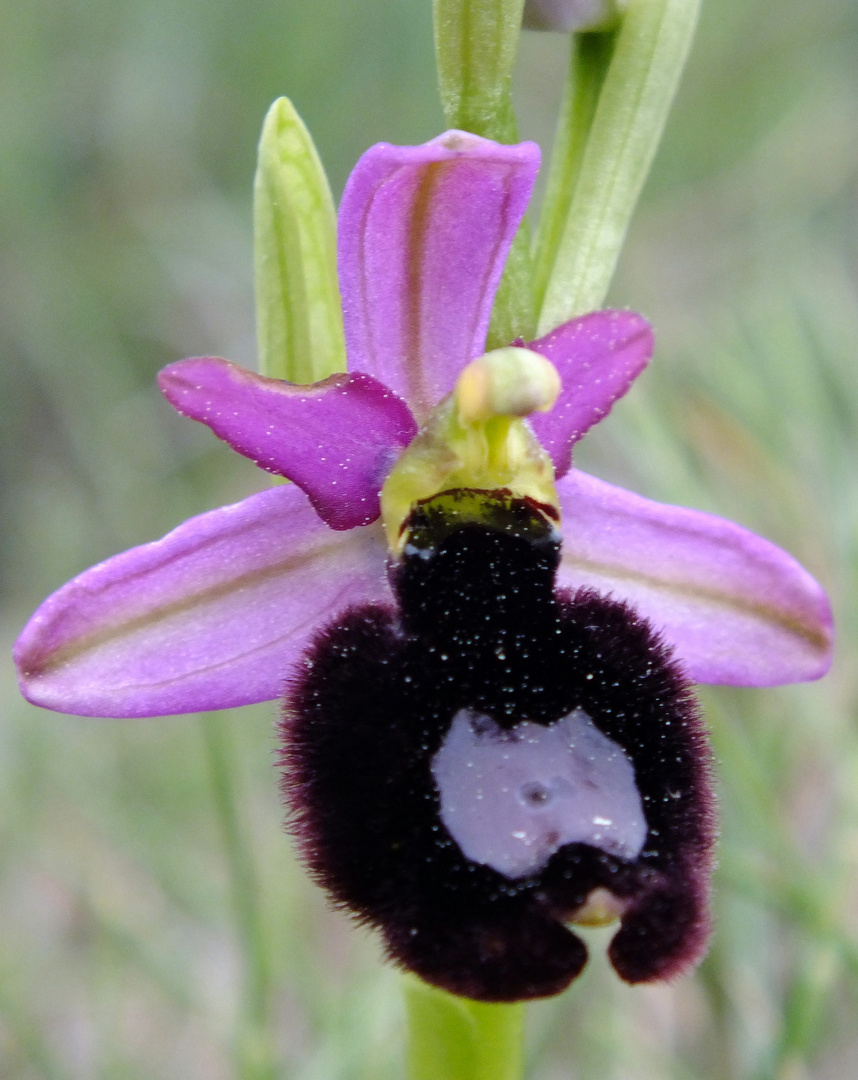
738	609
424	233
598	356
336	439
209	617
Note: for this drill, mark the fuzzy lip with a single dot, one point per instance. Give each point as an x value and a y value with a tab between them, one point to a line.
215	613
420	842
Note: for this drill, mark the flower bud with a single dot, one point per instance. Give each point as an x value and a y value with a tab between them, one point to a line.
572	15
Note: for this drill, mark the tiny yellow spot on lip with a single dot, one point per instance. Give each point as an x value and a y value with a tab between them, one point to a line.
601	908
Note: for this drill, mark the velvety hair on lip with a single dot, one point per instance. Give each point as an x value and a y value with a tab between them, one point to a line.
479	626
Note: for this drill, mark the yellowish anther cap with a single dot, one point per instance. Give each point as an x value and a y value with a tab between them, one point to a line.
506	382
477	439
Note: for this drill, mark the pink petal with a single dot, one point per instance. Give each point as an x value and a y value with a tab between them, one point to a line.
598	356
336	439
211	616
738	609
424	232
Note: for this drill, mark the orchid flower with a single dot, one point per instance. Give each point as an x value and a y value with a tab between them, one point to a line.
377	637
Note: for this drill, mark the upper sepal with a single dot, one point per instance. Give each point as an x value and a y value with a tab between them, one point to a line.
424	233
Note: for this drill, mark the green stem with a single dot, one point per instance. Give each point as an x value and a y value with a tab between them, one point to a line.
475	48
650	52
255	1050
453	1038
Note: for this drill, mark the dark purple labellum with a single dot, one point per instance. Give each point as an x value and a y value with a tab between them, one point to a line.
492	760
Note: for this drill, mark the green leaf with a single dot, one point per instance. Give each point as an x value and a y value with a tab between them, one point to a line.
298	312
649	54
453	1038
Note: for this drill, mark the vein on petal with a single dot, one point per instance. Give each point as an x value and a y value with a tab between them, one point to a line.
128	628
419	222
818	638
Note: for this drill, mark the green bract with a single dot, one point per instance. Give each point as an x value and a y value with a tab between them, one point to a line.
597	179
298	311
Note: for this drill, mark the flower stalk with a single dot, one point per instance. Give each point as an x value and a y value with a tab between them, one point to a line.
475	48
452	1038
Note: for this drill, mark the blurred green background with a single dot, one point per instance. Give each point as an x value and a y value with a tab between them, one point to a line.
127	145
